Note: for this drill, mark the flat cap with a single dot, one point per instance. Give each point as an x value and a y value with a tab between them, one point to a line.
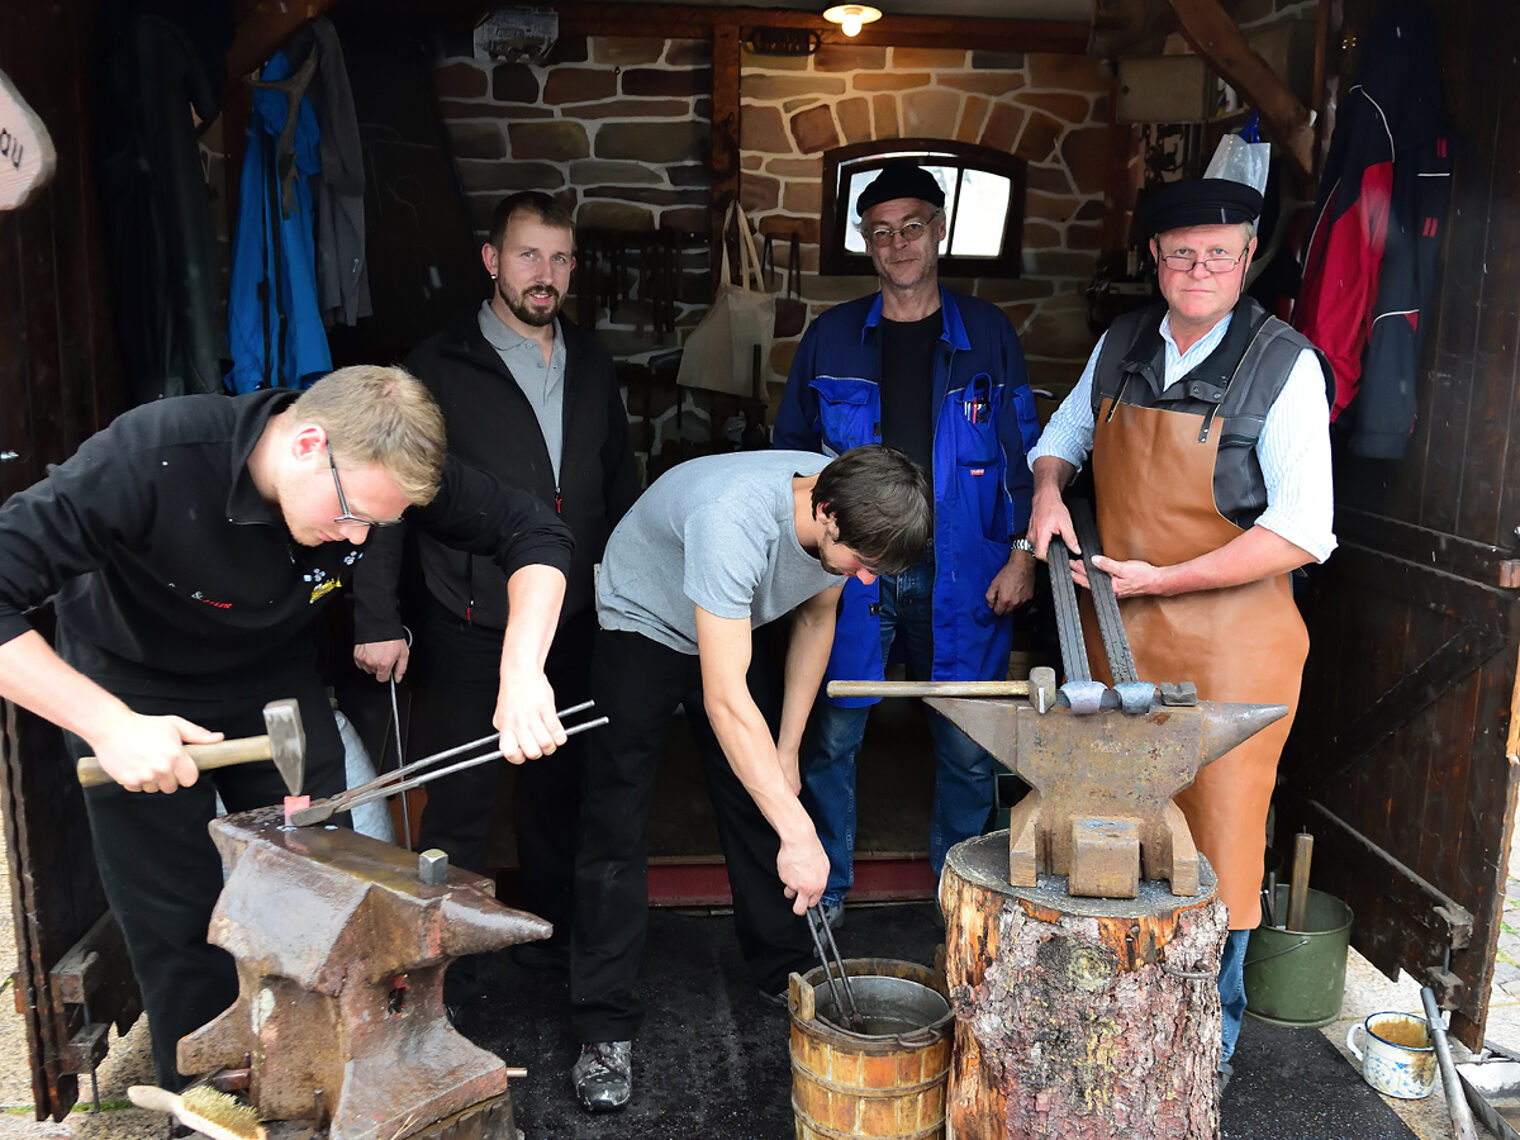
1200	202
900	179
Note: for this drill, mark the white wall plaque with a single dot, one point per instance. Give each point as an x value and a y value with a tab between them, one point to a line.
27	157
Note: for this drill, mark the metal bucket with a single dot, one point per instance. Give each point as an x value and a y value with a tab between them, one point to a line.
1298	977
886	1082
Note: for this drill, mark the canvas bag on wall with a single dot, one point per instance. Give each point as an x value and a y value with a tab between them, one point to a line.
719	352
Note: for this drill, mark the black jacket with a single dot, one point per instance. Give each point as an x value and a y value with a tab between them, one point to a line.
173	573
491	425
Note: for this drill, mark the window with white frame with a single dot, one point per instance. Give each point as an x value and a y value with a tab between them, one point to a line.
984	204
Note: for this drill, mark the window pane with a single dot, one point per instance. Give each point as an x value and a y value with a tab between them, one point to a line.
857	180
984	212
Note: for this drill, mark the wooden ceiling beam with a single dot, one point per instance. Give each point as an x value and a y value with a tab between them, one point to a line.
682	21
1215	37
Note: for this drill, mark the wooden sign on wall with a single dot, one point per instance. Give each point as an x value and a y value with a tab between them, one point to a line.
27	158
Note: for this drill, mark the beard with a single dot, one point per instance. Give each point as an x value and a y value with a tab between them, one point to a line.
534	315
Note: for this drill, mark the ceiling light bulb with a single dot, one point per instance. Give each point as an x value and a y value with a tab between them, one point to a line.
851	17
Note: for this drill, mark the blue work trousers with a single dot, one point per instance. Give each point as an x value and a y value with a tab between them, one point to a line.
964	786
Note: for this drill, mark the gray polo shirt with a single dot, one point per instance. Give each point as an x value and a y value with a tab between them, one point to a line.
543	384
716	532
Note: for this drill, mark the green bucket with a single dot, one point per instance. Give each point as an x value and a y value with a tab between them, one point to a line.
1298	977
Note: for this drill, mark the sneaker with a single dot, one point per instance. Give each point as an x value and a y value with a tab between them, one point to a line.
603	1075
833	914
1226	1071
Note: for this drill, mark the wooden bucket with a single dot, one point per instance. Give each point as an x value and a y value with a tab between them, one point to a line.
848	1086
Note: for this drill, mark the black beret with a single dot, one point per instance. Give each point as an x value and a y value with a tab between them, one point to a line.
1200	202
900	180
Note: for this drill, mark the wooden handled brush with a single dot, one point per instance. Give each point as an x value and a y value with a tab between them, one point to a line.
211	1113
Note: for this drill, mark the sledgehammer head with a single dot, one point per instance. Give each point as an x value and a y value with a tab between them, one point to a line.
287	742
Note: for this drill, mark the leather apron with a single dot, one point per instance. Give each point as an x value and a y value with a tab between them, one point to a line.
1154	494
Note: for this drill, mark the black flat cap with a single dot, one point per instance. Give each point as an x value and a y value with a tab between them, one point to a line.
900	180
1200	202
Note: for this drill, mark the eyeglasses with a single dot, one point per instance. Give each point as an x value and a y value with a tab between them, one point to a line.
883	237
1182	263
348	516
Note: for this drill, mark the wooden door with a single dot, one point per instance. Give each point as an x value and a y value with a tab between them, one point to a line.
1403	760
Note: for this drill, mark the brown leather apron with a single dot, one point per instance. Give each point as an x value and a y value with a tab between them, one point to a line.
1154	486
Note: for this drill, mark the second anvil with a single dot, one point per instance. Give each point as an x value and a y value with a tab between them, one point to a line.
1100	811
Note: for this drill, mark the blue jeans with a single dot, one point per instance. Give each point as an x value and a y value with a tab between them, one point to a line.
964	784
1232	988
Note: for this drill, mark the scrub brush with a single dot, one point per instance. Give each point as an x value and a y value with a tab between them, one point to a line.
211	1113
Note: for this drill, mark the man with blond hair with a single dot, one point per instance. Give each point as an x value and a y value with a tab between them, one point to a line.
190	546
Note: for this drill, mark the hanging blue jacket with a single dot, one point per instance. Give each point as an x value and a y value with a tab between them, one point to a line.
982	486
274	323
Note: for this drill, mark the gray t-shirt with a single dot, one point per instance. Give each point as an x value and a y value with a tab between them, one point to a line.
716	532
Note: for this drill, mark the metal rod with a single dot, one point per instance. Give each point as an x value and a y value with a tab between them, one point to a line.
1063	591
1456	1099
406	771
928	688
846	1008
1121	662
428	777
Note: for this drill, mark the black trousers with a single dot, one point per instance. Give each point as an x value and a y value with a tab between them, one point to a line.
461	672
162	873
638	683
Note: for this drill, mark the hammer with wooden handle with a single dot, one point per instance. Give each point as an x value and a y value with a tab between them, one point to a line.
285	744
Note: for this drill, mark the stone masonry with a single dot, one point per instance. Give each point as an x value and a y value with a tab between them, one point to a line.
620	129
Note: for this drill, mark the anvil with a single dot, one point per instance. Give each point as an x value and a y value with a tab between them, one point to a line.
341	947
1101	808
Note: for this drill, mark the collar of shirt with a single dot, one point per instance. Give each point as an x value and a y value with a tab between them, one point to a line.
1179	364
244	503
509	340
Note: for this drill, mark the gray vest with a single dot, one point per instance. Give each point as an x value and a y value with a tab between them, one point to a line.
1229	392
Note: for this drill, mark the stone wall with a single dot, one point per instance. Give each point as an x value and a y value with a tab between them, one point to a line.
1050	110
621	127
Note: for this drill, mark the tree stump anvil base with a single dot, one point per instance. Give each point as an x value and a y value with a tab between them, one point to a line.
1079	1018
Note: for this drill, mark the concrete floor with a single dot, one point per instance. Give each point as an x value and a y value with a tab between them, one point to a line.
1367	991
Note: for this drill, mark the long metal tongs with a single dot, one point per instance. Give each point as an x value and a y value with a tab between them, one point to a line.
846	1008
405	778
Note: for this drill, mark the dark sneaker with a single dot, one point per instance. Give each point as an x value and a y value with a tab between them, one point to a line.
833	914
1226	1071
603	1075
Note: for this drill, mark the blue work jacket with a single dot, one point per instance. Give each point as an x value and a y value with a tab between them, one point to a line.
984	425
274	322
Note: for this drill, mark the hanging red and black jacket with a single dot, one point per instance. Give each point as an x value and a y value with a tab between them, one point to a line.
1370	265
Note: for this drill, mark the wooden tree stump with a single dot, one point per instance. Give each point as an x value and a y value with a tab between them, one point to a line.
1079	1018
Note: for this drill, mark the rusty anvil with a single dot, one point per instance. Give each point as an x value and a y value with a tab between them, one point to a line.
1101	809
341	947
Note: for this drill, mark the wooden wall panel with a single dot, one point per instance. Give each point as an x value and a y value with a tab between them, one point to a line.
59	376
1409	612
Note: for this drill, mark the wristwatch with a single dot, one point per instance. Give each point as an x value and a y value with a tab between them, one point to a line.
1021	544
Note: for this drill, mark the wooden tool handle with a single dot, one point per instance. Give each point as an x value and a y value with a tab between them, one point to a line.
928	688
218	755
1298	892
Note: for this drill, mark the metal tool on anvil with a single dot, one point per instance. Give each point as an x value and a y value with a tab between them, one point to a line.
1103	763
405	778
284	743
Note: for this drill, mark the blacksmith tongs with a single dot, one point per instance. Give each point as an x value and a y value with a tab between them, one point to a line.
405	778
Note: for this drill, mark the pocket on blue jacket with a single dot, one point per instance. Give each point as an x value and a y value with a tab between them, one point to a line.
849	411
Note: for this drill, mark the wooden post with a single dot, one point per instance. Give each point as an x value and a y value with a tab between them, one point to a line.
1079	1018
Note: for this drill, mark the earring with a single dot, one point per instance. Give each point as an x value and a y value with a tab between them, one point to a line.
493	277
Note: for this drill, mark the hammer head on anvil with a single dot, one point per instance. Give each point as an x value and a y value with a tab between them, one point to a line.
287	742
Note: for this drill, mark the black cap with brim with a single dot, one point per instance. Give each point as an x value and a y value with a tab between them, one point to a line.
1201	202
900	180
